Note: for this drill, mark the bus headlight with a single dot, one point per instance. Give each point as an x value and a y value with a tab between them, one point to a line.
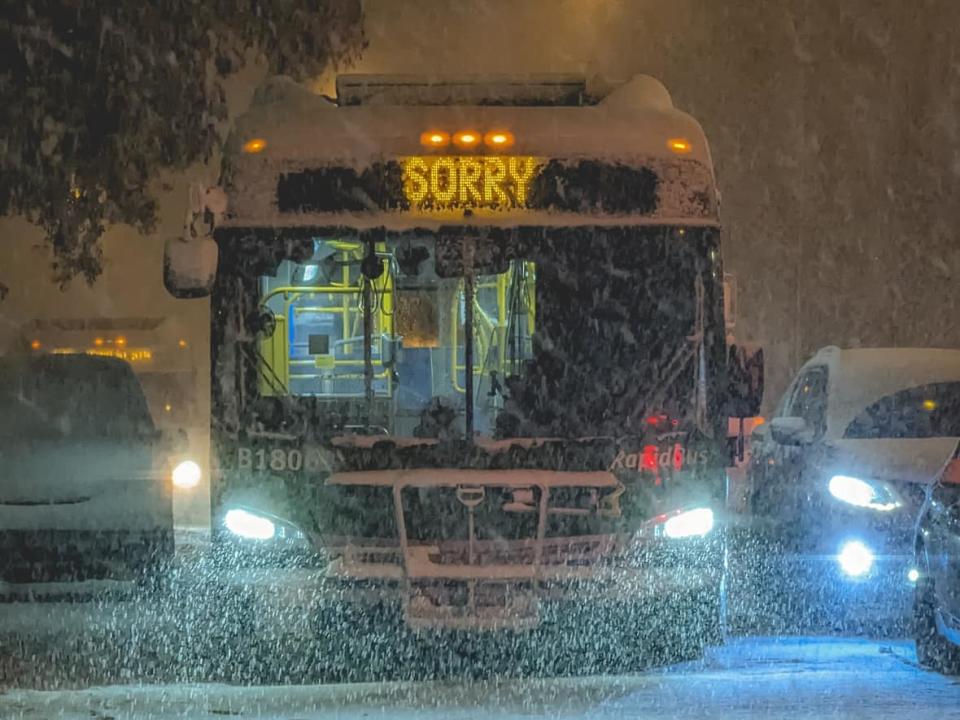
862	493
250	526
186	475
692	523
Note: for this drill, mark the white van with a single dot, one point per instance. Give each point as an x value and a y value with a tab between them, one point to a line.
83	493
842	468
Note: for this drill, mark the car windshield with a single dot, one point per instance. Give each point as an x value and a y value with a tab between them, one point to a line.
71	397
927	411
449	359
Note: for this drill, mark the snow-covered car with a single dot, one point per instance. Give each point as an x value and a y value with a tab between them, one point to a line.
840	472
937	575
82	494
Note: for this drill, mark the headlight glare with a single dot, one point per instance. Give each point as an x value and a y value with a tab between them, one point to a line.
250	526
186	475
855	558
862	493
692	523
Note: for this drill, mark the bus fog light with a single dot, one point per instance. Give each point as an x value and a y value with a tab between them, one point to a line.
186	475
692	523
250	526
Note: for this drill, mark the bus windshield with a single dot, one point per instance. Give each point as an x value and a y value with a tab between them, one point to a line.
575	332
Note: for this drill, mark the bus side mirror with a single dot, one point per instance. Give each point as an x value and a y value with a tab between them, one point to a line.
745	381
190	266
730	292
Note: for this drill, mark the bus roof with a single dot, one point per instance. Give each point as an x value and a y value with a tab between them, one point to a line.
148	343
502	90
293	135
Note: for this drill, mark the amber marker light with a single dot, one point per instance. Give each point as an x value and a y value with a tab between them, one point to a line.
466	139
680	146
435	138
498	139
254	146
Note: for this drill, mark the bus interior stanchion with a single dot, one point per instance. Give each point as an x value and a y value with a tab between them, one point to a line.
367	344
371	268
468	336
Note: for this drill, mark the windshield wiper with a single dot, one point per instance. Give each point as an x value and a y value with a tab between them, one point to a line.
276	384
679	362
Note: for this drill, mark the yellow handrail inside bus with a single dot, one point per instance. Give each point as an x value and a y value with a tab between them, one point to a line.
276	349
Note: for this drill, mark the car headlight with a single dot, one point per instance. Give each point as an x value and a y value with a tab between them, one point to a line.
250	526
855	558
691	523
862	493
186	475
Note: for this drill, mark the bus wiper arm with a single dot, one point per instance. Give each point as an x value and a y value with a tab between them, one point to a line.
676	366
276	384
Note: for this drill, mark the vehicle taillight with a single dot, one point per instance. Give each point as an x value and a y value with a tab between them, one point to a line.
951	473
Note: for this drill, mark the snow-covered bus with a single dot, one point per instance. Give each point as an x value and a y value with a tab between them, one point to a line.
468	343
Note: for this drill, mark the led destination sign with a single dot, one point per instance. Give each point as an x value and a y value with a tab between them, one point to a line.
455	182
423	184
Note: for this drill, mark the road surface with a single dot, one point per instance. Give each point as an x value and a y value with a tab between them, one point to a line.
748	678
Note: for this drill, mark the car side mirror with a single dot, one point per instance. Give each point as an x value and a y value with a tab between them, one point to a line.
759	432
745	381
791	431
190	266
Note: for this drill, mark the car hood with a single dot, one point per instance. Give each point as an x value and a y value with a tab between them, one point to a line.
915	460
69	484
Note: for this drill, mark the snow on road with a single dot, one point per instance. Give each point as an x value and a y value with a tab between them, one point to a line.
748	678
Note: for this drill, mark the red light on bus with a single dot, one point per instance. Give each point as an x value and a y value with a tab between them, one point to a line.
677	457
650	460
435	138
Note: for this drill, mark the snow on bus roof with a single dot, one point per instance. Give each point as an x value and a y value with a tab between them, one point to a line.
635	119
291	133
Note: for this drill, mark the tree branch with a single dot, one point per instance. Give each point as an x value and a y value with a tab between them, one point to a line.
35	33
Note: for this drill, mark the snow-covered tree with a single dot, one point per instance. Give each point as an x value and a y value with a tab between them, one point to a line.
98	96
